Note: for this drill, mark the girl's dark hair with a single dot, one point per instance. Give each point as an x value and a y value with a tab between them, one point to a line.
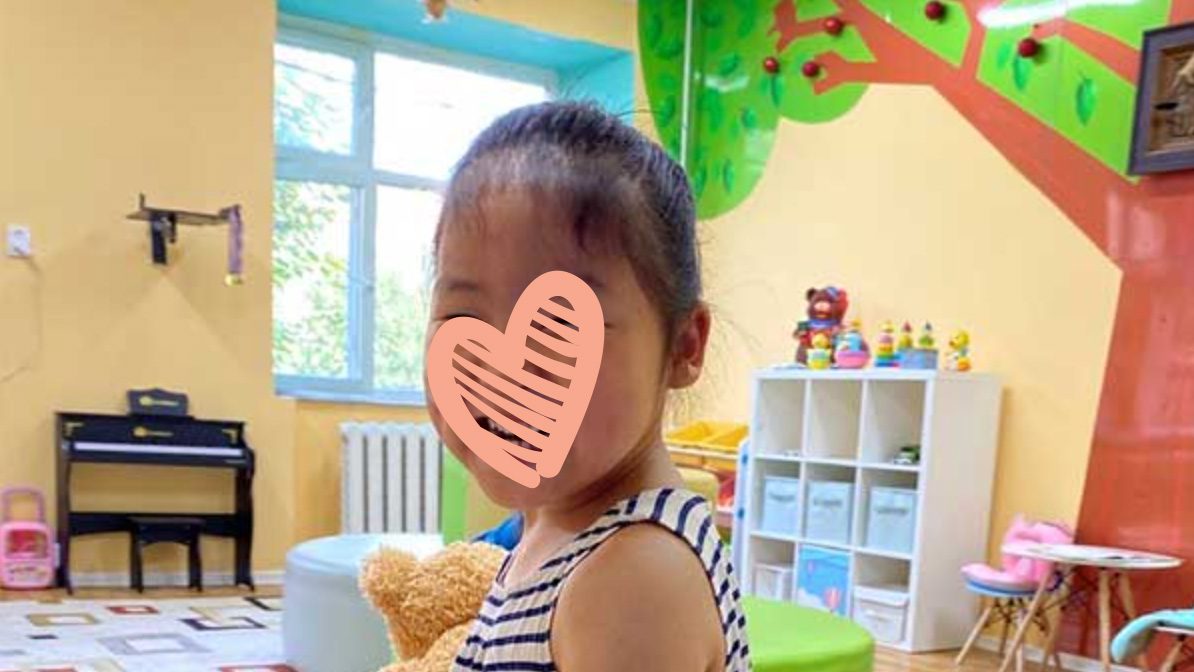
620	190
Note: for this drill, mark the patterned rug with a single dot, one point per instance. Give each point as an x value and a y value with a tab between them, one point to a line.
229	634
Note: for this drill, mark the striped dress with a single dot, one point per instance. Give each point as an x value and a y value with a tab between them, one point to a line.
513	631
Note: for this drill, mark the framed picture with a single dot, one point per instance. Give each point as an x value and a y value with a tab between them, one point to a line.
1163	135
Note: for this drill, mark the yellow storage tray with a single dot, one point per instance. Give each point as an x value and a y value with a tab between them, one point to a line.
708	435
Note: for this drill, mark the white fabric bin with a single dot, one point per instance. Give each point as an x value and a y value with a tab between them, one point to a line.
882	611
773	582
781	505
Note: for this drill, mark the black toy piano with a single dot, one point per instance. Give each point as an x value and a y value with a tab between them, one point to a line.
138	439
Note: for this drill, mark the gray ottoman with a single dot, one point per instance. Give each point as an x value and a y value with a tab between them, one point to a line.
327	626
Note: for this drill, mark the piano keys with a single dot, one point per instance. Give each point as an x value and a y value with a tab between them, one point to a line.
176	441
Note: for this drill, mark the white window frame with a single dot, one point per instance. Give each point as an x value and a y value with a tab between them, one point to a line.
356	171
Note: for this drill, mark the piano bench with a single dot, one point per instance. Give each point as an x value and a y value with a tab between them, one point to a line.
147	530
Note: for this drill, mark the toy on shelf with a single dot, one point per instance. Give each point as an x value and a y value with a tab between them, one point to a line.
905	342
820	355
852	351
885	354
27	558
924	355
958	357
926	341
826	309
909	456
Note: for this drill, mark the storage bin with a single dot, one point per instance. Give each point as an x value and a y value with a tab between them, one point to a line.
891	519
883	611
773	582
823	579
781	505
828	511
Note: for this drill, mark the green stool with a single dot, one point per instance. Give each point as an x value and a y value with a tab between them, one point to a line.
787	638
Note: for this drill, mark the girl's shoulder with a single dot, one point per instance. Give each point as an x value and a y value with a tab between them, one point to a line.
643	596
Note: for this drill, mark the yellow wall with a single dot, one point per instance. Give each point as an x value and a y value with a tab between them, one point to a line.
904	204
174	99
103	101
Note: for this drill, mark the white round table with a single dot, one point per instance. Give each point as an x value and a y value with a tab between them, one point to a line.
1110	564
327	625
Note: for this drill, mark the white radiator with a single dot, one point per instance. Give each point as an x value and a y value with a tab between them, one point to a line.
391	477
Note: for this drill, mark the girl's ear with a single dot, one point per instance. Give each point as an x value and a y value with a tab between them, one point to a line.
687	356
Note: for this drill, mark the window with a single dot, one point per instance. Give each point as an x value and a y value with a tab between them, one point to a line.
367	133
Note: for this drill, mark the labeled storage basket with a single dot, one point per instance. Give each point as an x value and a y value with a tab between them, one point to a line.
883	611
781	505
828	511
773	582
891	519
823	579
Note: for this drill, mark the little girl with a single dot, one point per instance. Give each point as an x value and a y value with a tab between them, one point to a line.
618	568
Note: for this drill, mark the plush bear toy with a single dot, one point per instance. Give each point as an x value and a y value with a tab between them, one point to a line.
429	606
826	310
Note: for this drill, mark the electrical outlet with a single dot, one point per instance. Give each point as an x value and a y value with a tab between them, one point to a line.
20	241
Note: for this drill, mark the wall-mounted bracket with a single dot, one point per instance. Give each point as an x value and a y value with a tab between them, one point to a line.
163	224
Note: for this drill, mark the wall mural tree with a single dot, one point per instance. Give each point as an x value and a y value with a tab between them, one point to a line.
1050	83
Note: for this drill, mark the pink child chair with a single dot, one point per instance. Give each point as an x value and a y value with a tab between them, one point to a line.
1011	586
26	546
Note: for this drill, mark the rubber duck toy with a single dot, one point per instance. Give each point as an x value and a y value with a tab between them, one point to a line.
820	356
852	349
905	342
958	357
885	354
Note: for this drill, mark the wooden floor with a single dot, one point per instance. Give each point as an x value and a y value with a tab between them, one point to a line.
886	660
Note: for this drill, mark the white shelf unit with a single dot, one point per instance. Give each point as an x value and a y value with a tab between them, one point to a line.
847	426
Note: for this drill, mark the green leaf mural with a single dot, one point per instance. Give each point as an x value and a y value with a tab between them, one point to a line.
947	38
1125	21
736	104
1084	100
1021	71
661	51
807	10
1060	88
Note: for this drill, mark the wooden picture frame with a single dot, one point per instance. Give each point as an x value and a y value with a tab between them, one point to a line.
1163	132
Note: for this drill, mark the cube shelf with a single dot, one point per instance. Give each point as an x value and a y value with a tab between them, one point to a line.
827	441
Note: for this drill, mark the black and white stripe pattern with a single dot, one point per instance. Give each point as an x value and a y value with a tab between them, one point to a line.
513	630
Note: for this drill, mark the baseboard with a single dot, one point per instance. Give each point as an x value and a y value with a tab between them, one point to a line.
1068	660
271	577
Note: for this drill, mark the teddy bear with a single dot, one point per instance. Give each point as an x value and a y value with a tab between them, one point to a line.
826	309
429	606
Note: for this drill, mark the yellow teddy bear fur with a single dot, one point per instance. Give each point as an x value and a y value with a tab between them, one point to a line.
429	606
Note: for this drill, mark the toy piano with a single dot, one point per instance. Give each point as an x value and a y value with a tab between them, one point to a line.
167	439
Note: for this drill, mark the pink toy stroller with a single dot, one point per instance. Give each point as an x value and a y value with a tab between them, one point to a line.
27	558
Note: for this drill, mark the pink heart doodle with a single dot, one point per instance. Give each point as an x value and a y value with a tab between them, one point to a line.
516	399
